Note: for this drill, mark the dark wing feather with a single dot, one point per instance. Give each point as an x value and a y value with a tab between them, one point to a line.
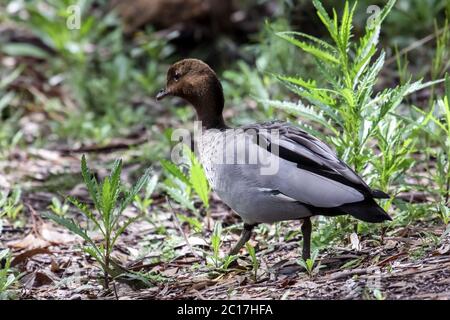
309	153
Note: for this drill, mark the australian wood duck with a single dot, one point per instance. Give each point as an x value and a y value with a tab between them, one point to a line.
303	176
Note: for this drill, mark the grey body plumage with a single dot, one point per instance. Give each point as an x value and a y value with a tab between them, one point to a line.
310	178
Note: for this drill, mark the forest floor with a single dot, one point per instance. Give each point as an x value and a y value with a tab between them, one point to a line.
404	265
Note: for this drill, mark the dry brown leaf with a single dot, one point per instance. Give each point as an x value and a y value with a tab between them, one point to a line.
36	279
390	244
288	282
171	272
28	254
29	242
197	241
57	236
54	267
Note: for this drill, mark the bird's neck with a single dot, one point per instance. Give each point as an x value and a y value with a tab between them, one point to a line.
209	106
211	120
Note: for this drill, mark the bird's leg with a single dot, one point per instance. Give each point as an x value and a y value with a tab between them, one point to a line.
245	236
306	231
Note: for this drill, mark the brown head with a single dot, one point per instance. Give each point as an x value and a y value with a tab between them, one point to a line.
194	81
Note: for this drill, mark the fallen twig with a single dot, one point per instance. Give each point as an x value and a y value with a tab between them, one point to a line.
349	273
104	149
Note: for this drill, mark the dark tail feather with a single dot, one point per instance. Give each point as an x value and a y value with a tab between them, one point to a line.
378	194
367	210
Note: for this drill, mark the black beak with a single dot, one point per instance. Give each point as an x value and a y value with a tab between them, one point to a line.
161	94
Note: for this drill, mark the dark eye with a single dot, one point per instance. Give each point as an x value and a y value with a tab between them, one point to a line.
177	76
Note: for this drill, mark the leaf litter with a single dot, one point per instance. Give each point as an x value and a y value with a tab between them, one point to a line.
54	266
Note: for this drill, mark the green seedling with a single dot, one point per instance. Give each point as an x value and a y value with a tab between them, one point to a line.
193	222
255	263
378	295
10	132
227	261
10	205
179	185
58	207
444	213
441	62
143	202
109	203
215	260
8	278
309	264
216	240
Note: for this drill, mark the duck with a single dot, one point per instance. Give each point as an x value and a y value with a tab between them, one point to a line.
303	176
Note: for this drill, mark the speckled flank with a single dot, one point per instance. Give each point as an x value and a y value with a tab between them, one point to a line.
210	147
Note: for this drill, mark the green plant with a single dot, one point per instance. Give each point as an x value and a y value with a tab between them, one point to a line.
309	264
436	124
345	110
345	104
443	213
180	185
396	142
8	278
193	222
445	233
270	55
441	61
215	260
10	205
143	202
378	295
104	75
255	263
402	66
10	135
59	207
410	213
216	240
151	50
49	23
109	201
243	82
